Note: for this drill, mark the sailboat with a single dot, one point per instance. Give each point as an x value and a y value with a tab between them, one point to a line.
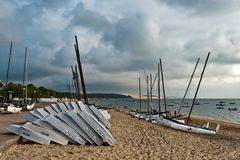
8	106
25	104
175	124
164	119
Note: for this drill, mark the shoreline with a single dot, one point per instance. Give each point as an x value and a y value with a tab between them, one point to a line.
139	139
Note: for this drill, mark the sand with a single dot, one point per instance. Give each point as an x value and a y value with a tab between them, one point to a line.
138	139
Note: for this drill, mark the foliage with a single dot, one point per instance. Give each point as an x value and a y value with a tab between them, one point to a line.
19	91
1	84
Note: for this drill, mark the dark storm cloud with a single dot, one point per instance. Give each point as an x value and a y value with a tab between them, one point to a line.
118	39
89	19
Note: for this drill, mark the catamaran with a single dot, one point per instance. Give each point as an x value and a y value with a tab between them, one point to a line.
166	120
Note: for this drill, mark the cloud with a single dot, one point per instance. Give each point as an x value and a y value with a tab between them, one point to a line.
118	39
204	7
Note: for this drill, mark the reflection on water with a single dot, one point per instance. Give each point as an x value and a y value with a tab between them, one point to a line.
203	107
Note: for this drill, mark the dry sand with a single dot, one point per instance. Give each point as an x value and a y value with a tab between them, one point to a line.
138	139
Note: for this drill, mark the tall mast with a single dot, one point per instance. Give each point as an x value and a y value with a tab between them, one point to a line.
164	96
147	94
80	71
193	102
151	93
140	95
77	82
74	82
74	90
188	87
152	85
159	105
25	73
9	61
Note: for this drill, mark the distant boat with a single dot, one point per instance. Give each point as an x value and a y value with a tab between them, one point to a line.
232	103
196	103
232	108
221	103
220	107
185	106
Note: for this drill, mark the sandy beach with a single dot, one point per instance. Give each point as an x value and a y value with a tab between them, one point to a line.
138	139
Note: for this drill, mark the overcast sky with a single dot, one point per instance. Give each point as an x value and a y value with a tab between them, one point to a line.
120	38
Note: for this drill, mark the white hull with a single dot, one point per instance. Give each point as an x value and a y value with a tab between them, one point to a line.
30	107
13	109
193	129
105	114
28	134
63	122
45	133
176	124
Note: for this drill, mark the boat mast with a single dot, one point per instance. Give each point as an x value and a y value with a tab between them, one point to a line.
9	61
159	105
152	85
164	96
25	75
188	87
74	82
74	90
80	71
77	82
151	93
193	102
140	96
147	94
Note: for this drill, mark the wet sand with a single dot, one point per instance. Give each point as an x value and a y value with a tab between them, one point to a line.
138	139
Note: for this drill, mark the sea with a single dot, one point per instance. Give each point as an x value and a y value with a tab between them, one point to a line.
211	108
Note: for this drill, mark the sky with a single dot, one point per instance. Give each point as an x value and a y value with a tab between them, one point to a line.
118	40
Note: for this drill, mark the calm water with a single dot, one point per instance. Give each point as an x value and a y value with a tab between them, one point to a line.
206	107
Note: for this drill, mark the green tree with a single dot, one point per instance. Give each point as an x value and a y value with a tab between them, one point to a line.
1	84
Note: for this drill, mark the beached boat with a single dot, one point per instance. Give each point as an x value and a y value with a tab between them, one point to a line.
105	114
27	105
69	122
19	130
181	125
176	124
9	108
13	109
